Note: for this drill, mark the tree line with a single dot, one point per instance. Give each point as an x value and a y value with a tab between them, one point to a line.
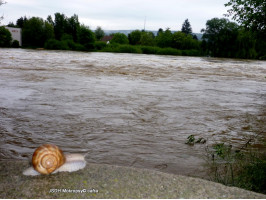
221	37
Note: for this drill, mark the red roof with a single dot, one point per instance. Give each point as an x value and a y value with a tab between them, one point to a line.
107	38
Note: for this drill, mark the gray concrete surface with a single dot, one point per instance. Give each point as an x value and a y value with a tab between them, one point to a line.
105	181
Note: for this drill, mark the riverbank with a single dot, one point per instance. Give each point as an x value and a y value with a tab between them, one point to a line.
107	181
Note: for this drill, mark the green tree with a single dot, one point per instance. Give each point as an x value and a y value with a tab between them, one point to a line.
134	37
48	30
184	41
5	36
178	40
86	37
50	20
72	26
99	33
159	31
60	23
249	13
164	39
120	38
21	21
186	27
245	45
147	38
35	32
11	24
221	35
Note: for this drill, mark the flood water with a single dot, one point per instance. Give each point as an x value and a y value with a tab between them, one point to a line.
128	109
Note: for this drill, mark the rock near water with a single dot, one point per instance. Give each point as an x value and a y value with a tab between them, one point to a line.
106	181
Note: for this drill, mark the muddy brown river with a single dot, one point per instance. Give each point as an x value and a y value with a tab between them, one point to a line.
128	109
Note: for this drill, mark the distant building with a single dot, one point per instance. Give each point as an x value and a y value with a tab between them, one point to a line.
16	34
107	38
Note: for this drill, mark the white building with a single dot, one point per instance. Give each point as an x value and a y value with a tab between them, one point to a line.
16	34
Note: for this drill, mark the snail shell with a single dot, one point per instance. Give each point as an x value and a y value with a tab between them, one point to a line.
48	158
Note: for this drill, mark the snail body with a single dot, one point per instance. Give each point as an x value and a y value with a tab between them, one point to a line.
49	159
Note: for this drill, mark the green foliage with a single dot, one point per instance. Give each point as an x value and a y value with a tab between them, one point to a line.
86	37
64	25
59	23
120	38
99	33
220	36
249	13
186	27
169	51
5	36
191	52
191	140
129	49
245	45
15	44
149	49
112	47
164	38
253	175
48	31
100	45
183	41
147	39
21	21
66	36
134	37
160	30
72	27
124	48
56	45
243	167
36	32
63	45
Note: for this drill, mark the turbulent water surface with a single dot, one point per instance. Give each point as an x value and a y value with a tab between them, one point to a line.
128	109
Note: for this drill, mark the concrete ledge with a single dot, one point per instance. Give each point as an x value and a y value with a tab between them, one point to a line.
105	181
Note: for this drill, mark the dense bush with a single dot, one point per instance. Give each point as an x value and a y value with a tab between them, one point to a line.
164	38
117	48
36	31
56	45
5	36
149	49
120	38
134	37
86	37
168	51
113	47
15	44
98	45
63	45
191	52
147	39
129	49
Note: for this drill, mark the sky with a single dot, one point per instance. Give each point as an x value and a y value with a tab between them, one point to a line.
121	14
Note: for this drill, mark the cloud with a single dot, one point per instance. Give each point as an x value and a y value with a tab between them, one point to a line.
122	14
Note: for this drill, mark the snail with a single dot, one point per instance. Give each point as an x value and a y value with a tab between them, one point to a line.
48	158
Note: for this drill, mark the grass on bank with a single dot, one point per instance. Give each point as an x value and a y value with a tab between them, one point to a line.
99	46
244	167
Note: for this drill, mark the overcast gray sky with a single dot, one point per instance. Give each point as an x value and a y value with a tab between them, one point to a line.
121	14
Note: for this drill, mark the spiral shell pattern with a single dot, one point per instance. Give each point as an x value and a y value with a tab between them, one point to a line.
47	158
